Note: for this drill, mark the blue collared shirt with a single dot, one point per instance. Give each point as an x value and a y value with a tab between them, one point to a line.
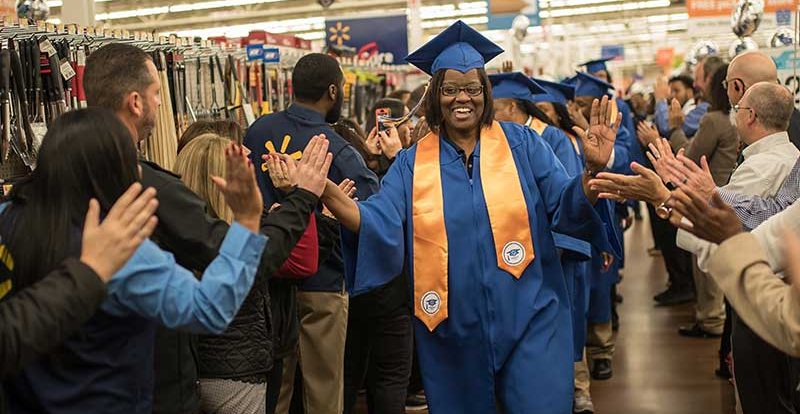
690	124
754	210
152	285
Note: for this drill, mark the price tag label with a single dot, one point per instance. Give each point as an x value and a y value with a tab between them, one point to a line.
46	47
249	114
67	72
81	57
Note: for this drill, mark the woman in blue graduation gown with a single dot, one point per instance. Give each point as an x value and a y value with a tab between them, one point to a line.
471	209
515	97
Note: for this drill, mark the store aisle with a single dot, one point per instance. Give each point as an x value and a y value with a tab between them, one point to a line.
655	370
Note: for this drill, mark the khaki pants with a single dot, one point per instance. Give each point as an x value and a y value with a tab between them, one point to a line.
600	341
710	308
582	379
323	331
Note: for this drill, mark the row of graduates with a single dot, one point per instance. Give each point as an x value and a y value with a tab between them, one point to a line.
509	251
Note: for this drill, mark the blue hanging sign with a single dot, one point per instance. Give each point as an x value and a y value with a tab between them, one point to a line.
384	37
255	52
272	55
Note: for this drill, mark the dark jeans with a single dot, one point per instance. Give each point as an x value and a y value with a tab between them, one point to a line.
378	356
725	341
274	380
677	261
652	213
766	378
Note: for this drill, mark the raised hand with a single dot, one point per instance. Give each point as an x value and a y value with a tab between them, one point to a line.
714	222
281	173
661	90
390	142
576	116
694	177
660	155
676	116
240	189
645	186
598	140
107	246
312	170
647	134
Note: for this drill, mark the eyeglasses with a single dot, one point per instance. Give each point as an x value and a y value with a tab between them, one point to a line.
726	82
473	89
736	108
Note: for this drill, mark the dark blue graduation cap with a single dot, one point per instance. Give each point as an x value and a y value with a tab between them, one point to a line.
589	85
556	92
514	85
570	81
594	66
458	47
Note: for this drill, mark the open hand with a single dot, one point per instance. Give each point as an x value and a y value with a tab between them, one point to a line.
660	155
694	177
645	186
676	116
714	221
107	246
661	90
281	173
240	189
647	134
598	140
312	169
576	115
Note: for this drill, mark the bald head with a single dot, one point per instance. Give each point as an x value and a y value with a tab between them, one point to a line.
772	103
753	67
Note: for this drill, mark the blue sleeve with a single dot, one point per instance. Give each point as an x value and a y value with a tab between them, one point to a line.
754	210
627	115
564	150
348	163
152	285
662	117
622	155
569	210
692	121
375	255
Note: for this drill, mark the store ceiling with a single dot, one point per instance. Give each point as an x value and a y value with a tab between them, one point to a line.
306	17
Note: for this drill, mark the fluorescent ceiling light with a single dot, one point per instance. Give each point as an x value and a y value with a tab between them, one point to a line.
125	14
608	8
59	3
431	24
178	8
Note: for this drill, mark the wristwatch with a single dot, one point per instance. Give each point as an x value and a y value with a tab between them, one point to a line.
663	211
670	186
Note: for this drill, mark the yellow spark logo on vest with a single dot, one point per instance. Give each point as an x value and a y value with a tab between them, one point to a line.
8	262
339	33
270	147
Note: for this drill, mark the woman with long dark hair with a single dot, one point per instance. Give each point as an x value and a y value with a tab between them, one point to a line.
108	365
470	209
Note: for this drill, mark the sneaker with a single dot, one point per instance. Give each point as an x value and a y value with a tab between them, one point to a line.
696	331
583	405
416	402
676	298
602	369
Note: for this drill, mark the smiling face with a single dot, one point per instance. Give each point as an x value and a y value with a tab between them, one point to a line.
461	100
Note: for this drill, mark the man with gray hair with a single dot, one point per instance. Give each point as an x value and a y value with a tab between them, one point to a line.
762	114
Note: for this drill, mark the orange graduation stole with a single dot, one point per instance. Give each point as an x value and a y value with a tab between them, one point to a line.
508	216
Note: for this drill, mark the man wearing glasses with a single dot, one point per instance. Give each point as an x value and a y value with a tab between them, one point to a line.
748	69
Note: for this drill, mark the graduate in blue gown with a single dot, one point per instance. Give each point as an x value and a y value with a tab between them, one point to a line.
599	69
515	97
471	209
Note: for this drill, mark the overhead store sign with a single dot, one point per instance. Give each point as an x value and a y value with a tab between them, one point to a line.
272	55
384	39
716	8
503	12
255	52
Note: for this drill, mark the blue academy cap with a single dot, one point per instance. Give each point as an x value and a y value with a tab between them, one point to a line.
458	47
588	85
570	81
514	85
555	92
594	66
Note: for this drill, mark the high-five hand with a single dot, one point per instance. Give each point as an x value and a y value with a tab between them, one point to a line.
598	140
240	189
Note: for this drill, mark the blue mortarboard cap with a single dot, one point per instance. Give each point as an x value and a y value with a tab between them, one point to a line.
514	85
594	66
556	92
458	47
570	81
589	85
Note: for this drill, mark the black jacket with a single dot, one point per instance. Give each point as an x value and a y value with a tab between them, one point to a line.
193	237
244	352
794	128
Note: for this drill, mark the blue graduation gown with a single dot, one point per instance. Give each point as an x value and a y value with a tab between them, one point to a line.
575	253
504	341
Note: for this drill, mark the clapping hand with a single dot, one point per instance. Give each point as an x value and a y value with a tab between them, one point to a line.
645	186
676	116
647	134
348	187
240	189
576	116
598	139
281	173
311	172
714	221
660	155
